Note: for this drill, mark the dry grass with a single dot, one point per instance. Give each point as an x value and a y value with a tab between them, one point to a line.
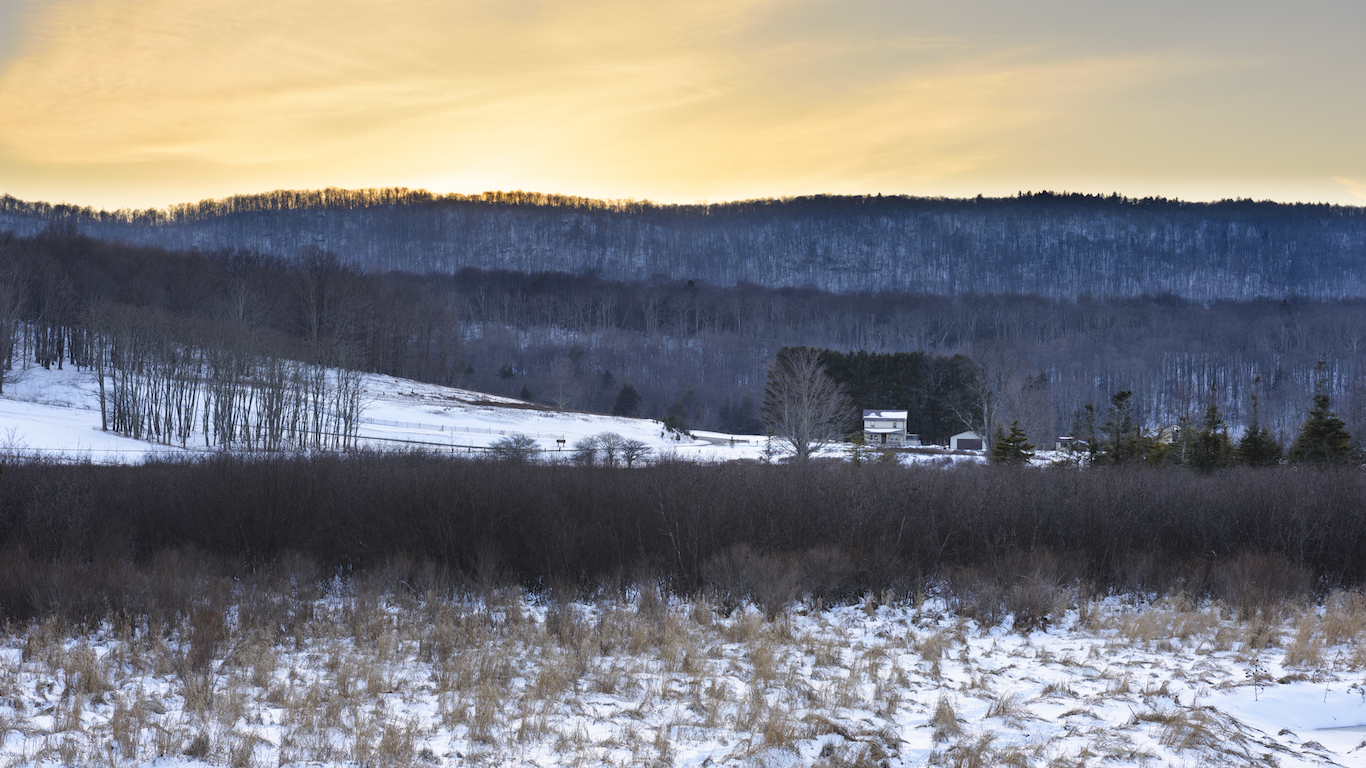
396	669
945	721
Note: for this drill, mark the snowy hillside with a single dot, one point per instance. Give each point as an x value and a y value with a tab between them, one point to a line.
55	414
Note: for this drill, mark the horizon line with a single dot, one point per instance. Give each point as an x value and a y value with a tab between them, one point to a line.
529	197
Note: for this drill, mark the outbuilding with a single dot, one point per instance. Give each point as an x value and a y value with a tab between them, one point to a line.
967	441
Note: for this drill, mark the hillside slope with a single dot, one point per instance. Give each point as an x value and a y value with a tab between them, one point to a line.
1061	246
55	414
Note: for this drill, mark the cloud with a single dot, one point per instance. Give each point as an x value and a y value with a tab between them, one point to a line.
668	99
1356	188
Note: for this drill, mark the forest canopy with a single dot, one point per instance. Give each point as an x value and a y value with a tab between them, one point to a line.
1058	246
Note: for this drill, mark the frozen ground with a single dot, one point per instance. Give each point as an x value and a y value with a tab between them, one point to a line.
56	414
355	675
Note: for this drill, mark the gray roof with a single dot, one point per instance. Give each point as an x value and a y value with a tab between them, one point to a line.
867	414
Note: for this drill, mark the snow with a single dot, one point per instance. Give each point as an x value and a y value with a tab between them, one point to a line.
1125	682
55	413
684	685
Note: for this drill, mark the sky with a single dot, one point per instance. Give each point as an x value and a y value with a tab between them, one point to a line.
144	103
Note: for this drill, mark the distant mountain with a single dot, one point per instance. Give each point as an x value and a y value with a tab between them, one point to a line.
1059	246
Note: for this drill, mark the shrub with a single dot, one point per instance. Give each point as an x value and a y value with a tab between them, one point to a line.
514	447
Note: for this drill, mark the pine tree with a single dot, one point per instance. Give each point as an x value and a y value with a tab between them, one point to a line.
525	394
1123	439
1258	447
1211	449
1012	449
856	448
627	402
1323	438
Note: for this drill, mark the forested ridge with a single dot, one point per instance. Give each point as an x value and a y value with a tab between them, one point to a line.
1051	245
695	352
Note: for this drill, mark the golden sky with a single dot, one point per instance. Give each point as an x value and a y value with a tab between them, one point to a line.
137	103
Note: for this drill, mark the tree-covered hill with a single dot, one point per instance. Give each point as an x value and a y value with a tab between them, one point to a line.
1056	246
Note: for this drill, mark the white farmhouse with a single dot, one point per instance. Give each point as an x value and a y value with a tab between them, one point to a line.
887	429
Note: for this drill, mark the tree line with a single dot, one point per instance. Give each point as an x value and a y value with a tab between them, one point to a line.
814	397
1205	443
1059	246
695	353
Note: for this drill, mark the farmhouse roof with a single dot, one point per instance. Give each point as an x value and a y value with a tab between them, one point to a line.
867	414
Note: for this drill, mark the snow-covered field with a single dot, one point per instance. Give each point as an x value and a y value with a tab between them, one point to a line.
55	413
275	669
364	675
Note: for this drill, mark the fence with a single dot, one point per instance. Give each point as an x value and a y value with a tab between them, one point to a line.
458	429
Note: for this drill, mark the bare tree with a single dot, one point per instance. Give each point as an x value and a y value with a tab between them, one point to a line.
997	361
586	451
633	451
610	444
514	447
562	388
806	409
12	290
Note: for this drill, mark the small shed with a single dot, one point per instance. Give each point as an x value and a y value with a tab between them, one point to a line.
885	429
1069	443
967	441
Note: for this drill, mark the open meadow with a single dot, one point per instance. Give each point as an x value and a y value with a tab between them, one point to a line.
411	609
394	667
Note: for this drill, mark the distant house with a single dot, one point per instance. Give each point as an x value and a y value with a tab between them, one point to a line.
1069	443
887	429
967	441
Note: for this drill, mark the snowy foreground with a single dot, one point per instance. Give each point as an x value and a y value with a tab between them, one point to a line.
55	414
365	675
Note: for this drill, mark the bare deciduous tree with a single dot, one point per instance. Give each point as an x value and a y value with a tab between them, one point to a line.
609	444
806	409
633	451
12	290
997	360
514	447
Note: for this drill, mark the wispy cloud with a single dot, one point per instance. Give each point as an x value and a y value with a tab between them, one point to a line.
1356	188
668	99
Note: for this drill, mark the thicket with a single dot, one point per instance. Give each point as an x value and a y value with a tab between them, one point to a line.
768	532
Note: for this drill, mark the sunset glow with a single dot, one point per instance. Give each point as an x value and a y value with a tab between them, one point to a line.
136	103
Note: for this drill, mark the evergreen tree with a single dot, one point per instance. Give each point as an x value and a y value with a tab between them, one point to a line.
1011	449
1258	446
1211	449
525	394
1323	438
1123	440
856	448
627	402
